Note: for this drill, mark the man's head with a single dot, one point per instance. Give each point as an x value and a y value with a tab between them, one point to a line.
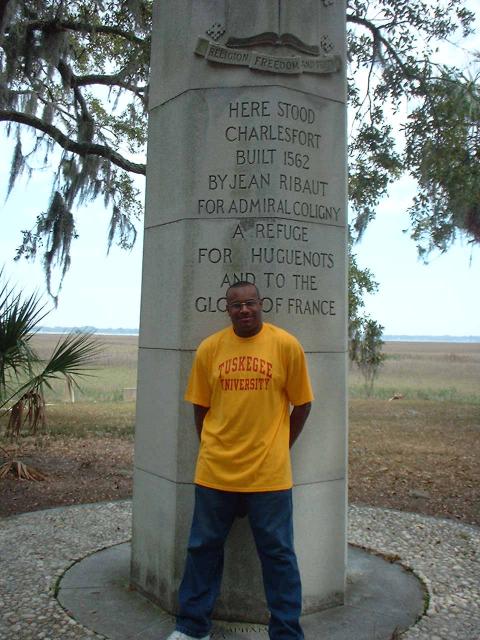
244	307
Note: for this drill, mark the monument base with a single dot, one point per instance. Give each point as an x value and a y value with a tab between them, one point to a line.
381	597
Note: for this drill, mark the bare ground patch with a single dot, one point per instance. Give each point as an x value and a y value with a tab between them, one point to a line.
416	456
78	471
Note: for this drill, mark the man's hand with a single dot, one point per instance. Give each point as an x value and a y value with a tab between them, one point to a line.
298	417
199	414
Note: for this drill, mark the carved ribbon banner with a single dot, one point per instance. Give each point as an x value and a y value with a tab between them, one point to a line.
221	54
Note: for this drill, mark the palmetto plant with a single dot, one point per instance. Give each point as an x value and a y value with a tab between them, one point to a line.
23	374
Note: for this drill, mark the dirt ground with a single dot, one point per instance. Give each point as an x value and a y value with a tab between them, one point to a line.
416	456
78	471
403	457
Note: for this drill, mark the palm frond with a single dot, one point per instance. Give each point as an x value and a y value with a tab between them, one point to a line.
18	468
18	318
74	355
23	375
30	410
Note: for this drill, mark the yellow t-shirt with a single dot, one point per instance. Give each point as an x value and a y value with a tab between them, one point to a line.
248	385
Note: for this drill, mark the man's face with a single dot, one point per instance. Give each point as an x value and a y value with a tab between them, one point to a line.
245	310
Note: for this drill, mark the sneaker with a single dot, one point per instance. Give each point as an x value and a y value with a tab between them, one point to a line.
178	635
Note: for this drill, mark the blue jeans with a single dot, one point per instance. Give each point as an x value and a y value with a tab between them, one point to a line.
270	517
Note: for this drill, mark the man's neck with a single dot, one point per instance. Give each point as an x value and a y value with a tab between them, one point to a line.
250	335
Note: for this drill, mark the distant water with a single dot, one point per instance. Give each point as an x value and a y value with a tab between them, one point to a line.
403	338
101	332
388	338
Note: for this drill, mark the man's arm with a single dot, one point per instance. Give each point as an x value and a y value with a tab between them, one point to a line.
298	417
199	414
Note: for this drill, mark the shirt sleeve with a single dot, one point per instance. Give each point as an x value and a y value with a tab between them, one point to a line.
198	388
298	386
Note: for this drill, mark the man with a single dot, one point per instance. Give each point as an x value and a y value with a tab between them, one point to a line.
243	381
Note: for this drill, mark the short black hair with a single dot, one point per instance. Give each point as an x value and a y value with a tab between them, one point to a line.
242	283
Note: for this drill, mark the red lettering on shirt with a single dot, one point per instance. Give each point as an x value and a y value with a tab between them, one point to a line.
244	384
246	363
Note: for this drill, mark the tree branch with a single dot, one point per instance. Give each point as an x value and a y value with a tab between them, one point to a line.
111	81
3	10
80	148
85	27
378	37
68	77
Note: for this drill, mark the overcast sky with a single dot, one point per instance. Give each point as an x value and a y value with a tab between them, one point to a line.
440	298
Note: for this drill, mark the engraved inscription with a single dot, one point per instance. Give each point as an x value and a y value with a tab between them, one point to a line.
275	149
270	186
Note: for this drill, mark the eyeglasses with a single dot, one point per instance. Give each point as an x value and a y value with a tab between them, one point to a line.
237	306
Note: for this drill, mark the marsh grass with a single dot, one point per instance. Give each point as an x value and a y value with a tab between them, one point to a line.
84	420
114	369
440	372
446	372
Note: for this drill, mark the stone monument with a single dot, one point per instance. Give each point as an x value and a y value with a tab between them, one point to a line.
246	179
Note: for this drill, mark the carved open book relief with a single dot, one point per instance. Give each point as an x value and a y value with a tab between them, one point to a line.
272	37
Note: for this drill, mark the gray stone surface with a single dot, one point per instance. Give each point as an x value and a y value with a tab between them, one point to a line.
380	598
320	453
246	179
320	541
165	443
189	20
37	549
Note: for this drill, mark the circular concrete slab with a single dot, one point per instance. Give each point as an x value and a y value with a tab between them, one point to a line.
381	597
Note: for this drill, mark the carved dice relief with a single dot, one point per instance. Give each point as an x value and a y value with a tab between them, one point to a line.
216	31
326	45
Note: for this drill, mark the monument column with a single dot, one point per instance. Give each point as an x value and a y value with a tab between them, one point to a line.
246	179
